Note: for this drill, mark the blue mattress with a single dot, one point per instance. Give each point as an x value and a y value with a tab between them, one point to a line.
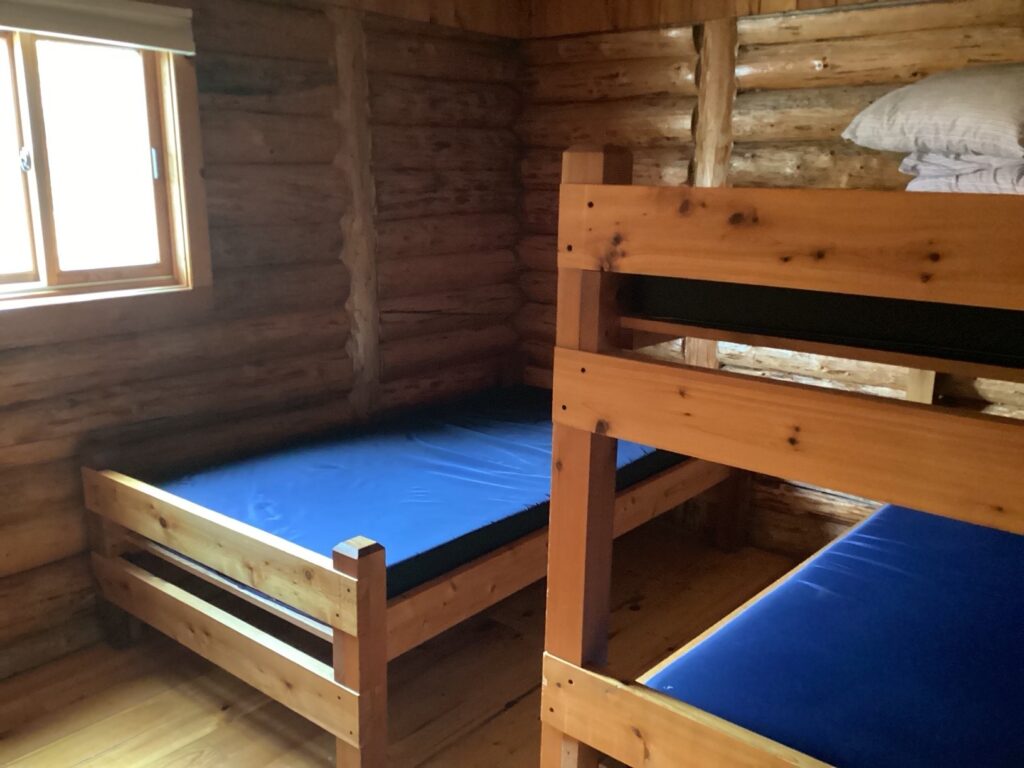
438	487
901	644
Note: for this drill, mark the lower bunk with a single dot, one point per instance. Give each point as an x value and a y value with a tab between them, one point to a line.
441	513
897	645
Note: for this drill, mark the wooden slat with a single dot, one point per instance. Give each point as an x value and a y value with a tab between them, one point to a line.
680	330
957	249
425	612
300	578
638	726
287	675
948	462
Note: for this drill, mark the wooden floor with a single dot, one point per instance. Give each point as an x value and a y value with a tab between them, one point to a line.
469	698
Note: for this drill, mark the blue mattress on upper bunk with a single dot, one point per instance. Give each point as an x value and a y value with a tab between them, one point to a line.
438	487
901	644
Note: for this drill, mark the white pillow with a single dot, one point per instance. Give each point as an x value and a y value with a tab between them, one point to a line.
972	174
976	111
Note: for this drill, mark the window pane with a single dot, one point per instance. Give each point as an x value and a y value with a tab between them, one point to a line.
15	226
101	173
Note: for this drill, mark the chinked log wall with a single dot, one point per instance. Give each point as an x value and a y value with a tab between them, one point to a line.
283	345
800	78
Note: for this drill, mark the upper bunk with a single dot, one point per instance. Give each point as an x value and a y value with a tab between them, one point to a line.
943	254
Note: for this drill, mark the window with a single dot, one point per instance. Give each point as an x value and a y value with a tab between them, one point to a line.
95	161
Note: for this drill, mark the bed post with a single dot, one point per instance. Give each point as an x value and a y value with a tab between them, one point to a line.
583	475
108	539
361	660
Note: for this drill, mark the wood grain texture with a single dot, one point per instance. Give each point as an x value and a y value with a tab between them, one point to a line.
945	248
852	443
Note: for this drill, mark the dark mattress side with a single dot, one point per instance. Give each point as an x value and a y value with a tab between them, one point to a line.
901	645
952	332
438	487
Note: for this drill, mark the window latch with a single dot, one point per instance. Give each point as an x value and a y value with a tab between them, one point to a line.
26	159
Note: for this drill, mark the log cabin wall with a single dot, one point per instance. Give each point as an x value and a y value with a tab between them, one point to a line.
634	89
443	106
799	79
269	356
333	140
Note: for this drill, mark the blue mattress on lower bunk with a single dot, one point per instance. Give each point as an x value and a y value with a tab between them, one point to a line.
901	644
438	487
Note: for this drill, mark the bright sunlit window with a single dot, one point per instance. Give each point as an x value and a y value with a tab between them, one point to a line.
91	179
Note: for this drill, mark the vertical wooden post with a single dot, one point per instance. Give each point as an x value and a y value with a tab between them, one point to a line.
716	92
361	660
582	475
359	251
108	539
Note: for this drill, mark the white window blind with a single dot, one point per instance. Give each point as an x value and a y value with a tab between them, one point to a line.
122	22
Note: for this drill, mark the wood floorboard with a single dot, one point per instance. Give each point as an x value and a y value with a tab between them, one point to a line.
468	698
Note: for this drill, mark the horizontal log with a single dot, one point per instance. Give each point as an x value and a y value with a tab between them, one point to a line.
901	57
443	384
439	235
853	443
863	22
958	249
24	489
810	114
537	322
221	390
825	165
539	287
402	358
259	29
411	194
798	520
407	316
602	80
45	535
433	274
31	652
540	212
277	244
647	121
41	372
440	57
245	292
266	85
667	41
416	101
195	442
539	355
539	253
234	136
431	148
670	166
45	597
240	195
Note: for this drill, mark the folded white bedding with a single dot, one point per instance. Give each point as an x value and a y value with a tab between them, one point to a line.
978	174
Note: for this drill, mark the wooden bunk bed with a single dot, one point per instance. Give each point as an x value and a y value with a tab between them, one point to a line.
269	544
628	259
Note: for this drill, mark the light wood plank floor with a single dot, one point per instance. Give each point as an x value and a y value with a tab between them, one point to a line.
469	698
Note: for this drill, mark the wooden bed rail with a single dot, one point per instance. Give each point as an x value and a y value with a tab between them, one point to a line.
955	249
346	593
951	462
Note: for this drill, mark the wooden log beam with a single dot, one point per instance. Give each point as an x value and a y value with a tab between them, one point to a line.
948	462
958	249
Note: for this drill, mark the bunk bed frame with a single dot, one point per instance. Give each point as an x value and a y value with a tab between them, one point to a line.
341	600
952	249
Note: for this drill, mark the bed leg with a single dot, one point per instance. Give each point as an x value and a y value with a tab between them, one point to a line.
731	507
361	660
120	628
